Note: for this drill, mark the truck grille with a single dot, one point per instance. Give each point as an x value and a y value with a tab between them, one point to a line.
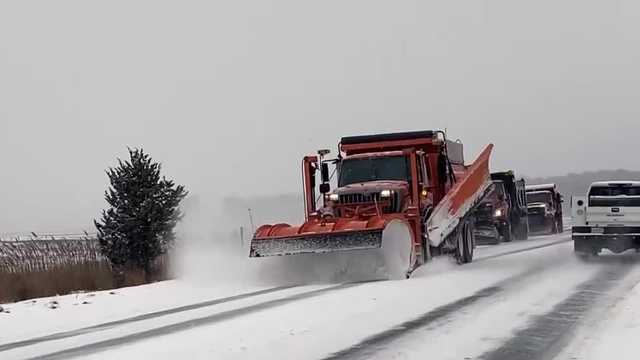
368	199
536	211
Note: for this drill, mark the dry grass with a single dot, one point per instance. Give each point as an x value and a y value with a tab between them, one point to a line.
42	255
33	269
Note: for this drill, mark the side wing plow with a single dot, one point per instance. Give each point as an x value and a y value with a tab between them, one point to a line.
462	199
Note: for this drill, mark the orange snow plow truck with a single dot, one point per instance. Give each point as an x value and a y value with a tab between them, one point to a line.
407	196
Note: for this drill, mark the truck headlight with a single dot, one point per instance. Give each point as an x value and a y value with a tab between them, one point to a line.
386	193
498	213
334	197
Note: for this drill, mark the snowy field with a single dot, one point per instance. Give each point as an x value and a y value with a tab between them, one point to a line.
522	300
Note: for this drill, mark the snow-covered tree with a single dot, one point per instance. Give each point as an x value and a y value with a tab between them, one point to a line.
143	211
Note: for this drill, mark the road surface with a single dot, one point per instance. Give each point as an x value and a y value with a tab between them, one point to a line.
523	300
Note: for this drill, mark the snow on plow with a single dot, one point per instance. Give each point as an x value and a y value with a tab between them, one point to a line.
268	242
394	192
385	248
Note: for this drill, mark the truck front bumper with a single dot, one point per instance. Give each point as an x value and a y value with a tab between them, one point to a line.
541	224
590	240
487	232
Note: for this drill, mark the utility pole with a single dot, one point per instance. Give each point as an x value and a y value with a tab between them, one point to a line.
253	226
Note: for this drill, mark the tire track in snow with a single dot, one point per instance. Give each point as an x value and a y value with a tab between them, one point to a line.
372	345
548	334
519	251
101	346
112	324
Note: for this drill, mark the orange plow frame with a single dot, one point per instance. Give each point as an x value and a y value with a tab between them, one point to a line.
316	236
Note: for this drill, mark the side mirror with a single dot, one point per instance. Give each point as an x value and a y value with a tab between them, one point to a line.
324	172
325	187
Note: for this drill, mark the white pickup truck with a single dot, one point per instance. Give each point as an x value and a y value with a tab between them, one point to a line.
607	218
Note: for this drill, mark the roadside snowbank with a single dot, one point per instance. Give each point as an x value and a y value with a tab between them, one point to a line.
44	316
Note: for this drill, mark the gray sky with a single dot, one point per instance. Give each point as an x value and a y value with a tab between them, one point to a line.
229	95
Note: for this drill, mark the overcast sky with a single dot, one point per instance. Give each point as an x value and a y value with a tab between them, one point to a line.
229	95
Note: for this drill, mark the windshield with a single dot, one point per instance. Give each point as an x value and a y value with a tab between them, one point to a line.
611	196
539	197
353	171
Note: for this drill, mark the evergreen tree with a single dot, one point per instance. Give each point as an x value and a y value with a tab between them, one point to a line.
144	210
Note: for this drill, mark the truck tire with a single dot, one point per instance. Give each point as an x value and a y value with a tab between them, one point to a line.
521	230
560	226
507	232
466	242
586	256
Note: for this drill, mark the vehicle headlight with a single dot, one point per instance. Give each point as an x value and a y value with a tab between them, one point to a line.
334	197
498	213
386	193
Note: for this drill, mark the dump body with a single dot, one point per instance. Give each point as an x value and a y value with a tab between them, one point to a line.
503	213
544	204
410	178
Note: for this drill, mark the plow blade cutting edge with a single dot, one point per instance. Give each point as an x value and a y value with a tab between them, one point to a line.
318	243
383	248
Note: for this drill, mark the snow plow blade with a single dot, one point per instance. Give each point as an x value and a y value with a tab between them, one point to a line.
461	199
318	238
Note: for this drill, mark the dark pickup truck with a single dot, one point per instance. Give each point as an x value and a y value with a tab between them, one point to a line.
502	215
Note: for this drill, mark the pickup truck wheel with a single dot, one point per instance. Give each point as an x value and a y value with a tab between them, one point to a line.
582	256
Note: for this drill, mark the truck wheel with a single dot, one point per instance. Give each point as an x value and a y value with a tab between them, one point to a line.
582	256
507	233
466	242
522	230
426	251
525	229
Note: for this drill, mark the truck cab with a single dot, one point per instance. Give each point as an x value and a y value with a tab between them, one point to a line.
608	217
491	216
381	179
394	181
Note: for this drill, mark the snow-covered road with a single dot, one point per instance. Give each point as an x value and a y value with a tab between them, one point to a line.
522	300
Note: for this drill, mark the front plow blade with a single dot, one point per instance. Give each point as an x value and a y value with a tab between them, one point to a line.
317	243
375	248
